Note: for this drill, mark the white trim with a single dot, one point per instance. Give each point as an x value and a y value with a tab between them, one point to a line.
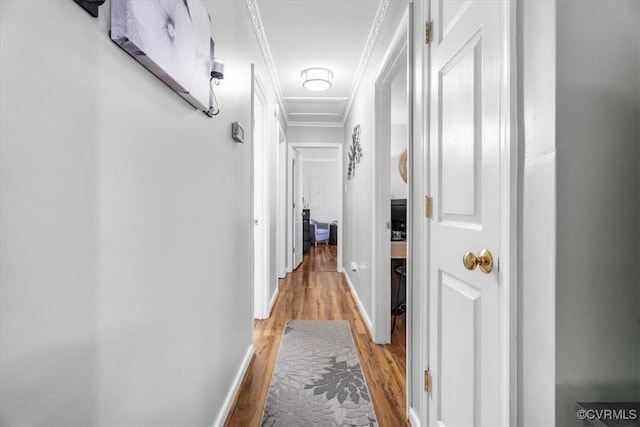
366	55
361	309
421	128
315	124
233	390
315	98
258	29
274	297
413	418
315	114
412	237
509	210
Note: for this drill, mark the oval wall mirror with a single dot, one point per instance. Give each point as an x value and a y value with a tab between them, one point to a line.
402	165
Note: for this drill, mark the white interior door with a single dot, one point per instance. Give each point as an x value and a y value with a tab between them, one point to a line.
260	203
296	176
282	205
466	319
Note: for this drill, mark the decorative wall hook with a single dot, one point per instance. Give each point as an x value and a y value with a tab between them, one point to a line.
91	6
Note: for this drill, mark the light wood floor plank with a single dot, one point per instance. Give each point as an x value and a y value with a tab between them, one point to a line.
316	291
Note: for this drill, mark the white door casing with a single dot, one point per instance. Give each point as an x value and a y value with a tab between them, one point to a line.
300	176
297	208
471	166
396	60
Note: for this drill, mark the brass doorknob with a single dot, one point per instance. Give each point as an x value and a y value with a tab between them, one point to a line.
484	260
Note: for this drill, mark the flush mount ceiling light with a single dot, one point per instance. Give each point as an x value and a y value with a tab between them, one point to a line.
317	79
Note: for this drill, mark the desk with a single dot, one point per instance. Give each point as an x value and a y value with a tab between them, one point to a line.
398	249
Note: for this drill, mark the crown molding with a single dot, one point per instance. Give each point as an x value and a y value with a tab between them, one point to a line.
383	8
315	99
258	28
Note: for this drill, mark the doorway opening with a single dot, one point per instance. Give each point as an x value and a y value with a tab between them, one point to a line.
316	200
392	203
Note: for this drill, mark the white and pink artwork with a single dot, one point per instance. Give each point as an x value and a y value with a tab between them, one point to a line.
171	38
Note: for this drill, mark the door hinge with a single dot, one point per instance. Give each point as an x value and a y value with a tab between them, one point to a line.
428	32
427	381
428	201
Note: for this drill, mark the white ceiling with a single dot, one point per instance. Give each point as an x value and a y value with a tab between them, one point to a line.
299	34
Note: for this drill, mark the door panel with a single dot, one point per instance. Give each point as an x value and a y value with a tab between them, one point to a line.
460	304
260	266
460	135
464	318
450	12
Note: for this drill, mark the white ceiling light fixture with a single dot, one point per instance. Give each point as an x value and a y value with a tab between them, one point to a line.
317	79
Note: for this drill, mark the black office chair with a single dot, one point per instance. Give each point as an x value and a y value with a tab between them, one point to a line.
400	308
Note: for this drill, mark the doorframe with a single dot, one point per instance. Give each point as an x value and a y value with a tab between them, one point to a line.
261	237
327	145
422	57
508	264
399	48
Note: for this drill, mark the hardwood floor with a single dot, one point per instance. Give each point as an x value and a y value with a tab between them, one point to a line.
316	291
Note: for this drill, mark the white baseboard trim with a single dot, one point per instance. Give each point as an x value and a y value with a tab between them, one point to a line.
235	386
273	299
363	313
413	418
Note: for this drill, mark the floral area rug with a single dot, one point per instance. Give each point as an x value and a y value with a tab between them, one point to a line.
317	380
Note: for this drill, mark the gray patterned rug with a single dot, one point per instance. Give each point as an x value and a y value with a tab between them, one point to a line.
317	380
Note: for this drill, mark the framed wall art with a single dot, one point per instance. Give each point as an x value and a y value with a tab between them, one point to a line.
355	152
172	39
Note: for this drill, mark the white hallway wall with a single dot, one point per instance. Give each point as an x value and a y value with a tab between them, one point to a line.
125	218
321	187
315	134
579	338
598	149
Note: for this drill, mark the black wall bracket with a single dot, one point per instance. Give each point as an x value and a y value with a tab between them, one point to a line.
91	6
